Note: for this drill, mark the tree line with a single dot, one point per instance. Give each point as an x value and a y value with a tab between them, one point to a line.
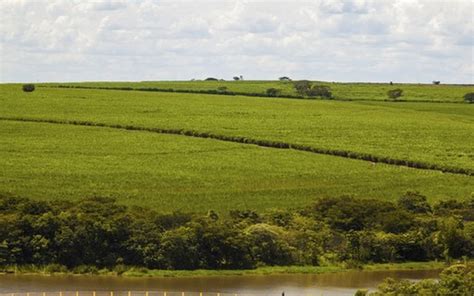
99	232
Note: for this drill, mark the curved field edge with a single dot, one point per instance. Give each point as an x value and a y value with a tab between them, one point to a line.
246	94
169	172
131	271
432	133
261	143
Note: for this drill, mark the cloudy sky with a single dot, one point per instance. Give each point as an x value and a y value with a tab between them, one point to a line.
78	40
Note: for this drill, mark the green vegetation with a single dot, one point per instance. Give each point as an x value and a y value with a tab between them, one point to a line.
417	132
469	97
154	183
134	271
169	172
28	87
340	91
395	93
454	280
98	232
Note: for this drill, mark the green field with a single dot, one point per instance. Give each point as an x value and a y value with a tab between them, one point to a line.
169	172
344	91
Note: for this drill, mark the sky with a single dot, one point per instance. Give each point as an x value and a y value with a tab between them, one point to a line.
377	41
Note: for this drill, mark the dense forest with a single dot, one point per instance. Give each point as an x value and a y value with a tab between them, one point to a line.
99	232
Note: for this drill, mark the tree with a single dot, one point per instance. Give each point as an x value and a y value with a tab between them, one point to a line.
236	78
222	89
436	82
273	92
179	249
268	244
302	87
469	98
284	78
395	93
414	202
28	87
320	91
211	79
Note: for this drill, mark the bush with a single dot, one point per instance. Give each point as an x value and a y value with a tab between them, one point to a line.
273	92
469	97
320	91
54	268
454	280
222	89
211	79
28	87
305	88
395	93
414	202
302	87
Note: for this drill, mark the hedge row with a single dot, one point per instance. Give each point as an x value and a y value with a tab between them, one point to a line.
264	143
188	91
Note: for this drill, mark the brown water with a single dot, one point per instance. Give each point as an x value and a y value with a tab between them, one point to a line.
302	284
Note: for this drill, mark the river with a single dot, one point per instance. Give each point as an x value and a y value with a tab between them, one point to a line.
331	284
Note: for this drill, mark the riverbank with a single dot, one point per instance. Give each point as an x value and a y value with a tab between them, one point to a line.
125	271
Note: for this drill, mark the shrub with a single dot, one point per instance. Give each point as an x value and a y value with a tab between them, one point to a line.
222	89
320	91
469	97
28	87
273	92
302	87
414	202
53	268
395	93
211	79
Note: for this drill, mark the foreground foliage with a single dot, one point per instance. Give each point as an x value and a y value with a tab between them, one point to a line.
97	232
455	280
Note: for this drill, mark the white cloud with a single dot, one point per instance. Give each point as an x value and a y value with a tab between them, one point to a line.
400	40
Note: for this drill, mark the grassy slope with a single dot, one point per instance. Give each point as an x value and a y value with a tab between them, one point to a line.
353	91
168	172
435	133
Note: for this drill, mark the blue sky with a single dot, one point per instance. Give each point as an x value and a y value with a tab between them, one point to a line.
397	40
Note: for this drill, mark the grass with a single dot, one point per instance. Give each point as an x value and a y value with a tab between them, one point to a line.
433	133
344	91
144	272
169	172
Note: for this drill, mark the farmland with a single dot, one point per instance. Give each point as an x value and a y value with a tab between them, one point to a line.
341	91
168	172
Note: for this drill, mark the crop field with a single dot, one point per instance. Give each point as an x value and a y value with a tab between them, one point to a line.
343	91
85	149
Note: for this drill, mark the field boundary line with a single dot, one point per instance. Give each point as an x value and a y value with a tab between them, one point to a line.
258	142
244	94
